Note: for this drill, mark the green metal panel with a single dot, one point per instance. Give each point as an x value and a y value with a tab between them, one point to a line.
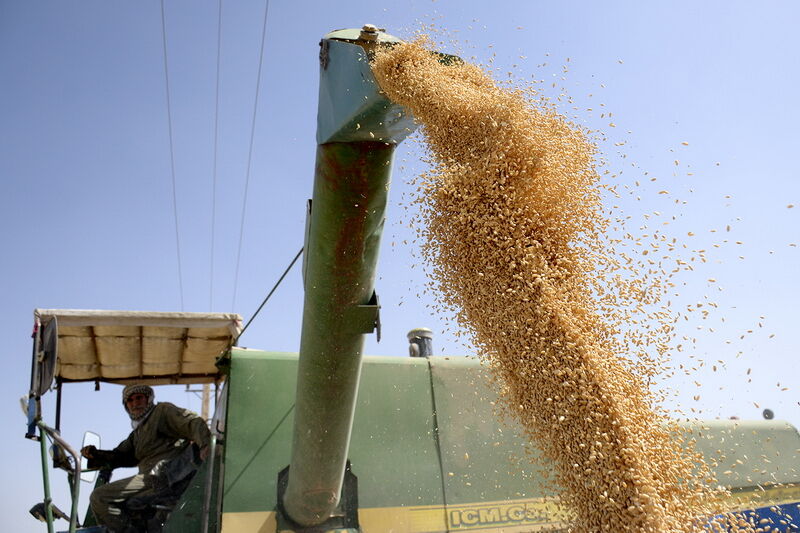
487	479
749	453
258	432
484	459
393	451
188	513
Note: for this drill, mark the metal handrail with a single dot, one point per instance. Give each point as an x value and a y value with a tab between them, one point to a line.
48	510
209	483
73	515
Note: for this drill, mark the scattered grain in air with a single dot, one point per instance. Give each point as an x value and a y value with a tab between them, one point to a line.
515	235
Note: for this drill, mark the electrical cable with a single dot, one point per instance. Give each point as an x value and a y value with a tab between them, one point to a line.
268	295
214	172
250	154
172	154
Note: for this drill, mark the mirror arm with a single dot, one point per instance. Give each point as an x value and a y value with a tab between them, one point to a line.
76	486
58	404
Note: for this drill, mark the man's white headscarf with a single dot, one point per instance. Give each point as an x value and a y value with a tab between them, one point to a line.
129	391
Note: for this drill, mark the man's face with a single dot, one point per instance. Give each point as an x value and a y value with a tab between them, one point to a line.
136	404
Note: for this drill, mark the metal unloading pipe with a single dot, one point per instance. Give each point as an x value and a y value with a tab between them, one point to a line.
420	342
357	131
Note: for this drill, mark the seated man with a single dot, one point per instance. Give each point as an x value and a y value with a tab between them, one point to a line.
161	432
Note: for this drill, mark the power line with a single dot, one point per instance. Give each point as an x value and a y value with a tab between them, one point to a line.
250	154
172	154
214	179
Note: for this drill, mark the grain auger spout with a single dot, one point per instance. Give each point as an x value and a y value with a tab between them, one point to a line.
357	131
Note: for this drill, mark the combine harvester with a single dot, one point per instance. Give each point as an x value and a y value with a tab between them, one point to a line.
328	440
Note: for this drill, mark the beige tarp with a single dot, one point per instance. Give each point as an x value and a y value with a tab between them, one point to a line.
140	346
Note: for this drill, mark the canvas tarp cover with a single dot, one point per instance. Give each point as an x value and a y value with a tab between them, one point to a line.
140	346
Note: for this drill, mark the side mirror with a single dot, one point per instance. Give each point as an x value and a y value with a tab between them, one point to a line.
89	439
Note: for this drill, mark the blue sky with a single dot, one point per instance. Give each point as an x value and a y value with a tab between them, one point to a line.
86	206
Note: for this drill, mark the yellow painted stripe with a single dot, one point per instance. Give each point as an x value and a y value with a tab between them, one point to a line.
515	516
402	519
511	517
253	522
752	498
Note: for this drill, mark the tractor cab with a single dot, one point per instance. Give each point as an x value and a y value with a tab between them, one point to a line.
119	347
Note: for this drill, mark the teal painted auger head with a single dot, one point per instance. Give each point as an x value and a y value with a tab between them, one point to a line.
351	105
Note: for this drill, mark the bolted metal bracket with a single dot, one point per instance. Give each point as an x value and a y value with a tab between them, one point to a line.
370	32
343	518
366	318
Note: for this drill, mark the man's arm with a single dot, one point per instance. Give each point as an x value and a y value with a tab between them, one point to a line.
122	456
187	425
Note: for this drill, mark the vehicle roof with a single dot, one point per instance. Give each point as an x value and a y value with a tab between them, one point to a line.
140	346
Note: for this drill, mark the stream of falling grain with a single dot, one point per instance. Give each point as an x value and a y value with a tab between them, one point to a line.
514	230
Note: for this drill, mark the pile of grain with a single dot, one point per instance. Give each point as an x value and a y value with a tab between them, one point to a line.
514	231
